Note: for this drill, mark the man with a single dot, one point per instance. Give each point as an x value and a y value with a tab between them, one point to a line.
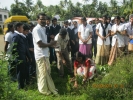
41	50
54	31
20	50
31	50
75	45
94	38
62	40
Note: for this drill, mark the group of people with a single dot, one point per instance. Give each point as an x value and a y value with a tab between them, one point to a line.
39	46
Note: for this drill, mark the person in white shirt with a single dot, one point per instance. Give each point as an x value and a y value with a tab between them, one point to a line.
103	30
118	32
7	49
45	83
85	35
62	42
129	27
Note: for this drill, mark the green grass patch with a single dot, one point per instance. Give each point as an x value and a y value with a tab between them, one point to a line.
110	83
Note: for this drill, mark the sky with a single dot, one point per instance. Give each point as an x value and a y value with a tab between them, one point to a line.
7	3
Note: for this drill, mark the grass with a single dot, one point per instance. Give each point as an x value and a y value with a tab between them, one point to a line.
111	83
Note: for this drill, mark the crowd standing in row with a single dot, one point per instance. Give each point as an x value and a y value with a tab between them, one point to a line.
39	46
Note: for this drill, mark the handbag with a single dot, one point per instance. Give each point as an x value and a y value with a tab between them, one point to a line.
130	45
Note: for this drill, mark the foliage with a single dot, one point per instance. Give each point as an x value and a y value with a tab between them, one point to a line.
110	83
67	10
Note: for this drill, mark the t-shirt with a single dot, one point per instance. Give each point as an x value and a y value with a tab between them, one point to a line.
99	40
39	34
86	63
85	32
61	43
8	38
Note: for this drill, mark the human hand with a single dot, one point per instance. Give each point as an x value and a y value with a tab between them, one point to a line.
52	43
63	61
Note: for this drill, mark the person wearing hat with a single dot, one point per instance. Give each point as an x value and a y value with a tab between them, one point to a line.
62	41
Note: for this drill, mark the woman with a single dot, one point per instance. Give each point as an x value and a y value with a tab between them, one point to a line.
118	31
85	34
7	49
129	26
83	66
103	30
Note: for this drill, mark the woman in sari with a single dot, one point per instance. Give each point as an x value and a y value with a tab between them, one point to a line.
118	31
103	30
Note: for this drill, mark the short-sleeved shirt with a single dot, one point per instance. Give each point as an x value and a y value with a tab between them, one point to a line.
39	34
129	28
8	38
87	63
85	32
61	43
119	37
99	40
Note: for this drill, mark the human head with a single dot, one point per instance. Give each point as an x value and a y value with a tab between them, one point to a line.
10	27
63	33
31	25
83	20
122	19
108	19
96	20
19	27
47	21
26	29
75	24
117	20
80	57
41	19
54	21
131	18
104	19
66	23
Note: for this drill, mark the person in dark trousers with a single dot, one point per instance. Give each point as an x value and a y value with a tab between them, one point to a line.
55	28
75	44
32	69
7	49
20	49
94	38
69	31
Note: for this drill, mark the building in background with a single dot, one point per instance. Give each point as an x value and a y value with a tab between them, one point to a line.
4	14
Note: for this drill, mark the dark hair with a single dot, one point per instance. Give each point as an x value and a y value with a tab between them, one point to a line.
63	31
9	26
75	22
123	17
104	16
83	18
40	14
31	25
54	19
117	17
48	18
26	27
18	24
66	22
79	54
109	18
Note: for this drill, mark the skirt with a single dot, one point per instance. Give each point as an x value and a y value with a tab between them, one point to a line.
102	54
85	49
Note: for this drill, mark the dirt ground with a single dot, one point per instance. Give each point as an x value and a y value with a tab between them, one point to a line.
1	43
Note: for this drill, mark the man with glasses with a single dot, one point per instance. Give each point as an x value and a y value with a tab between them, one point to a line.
41	50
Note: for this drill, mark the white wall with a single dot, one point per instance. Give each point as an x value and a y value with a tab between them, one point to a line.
3	13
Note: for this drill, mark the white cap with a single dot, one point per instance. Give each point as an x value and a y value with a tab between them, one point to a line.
112	18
